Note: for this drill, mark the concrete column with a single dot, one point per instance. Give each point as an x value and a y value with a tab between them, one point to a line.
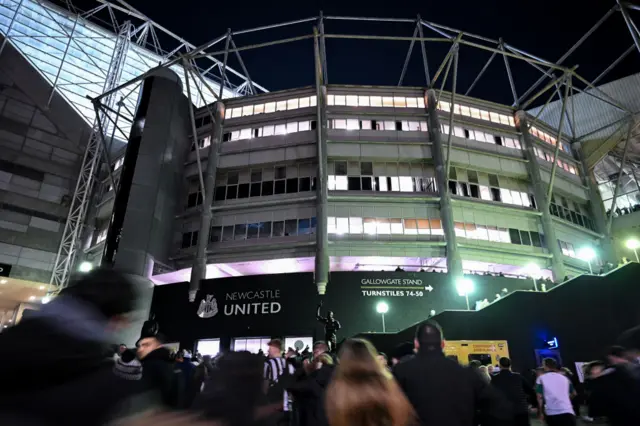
198	271
151	181
322	262
607	248
454	261
540	192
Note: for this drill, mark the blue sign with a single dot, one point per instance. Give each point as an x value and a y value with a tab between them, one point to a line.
553	343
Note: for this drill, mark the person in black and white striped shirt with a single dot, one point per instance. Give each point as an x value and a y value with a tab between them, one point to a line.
275	367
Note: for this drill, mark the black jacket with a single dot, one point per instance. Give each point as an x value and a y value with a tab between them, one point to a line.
159	373
309	392
53	378
515	389
444	393
616	395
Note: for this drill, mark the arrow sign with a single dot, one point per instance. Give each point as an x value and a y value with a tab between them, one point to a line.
429	289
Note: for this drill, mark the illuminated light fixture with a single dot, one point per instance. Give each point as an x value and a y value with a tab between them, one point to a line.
382	308
85	267
587	254
32	298
46	299
634	245
41	287
534	272
3	281
464	286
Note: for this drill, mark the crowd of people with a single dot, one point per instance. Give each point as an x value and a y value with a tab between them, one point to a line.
58	370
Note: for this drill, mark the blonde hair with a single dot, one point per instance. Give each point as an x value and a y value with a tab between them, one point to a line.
363	393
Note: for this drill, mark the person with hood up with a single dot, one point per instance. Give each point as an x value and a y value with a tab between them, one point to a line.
159	372
64	372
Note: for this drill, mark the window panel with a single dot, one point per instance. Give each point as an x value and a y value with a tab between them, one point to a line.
341	100
423	126
396	226
459	229
304	126
352	100
340	123
240	232
411	227
342	183
353	124
314	100
355	225
290	227
304	102
269	107
245	134
399	102
395	184
436	226
363	101
485	115
505	195
281	105
331	225
247	110
382	184
406	184
421	102
236	112
482	232
383	227
258	109
342	225
485	194
370	226
278	228
387	101
281	129
365	124
464	110
504	235
412	103
268	130
253	230
388	125
475	113
331	99
494	235
470	230
292	127
292	104
495	118
376	101
304	227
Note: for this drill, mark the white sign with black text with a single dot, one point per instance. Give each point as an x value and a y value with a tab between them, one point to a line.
394	287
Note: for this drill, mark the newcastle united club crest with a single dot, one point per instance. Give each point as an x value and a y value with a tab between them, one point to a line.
208	307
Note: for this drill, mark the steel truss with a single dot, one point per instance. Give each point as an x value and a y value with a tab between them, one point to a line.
558	79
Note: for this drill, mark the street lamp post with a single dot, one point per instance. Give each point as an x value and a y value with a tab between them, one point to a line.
634	245
465	287
534	272
382	309
587	254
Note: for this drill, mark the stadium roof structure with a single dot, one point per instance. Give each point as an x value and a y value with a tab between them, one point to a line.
98	59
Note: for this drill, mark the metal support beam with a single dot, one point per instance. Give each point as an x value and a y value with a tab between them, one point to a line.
425	62
224	62
630	25
511	83
323	50
453	103
613	65
622	164
244	69
533	169
408	57
322	262
64	56
454	260
194	132
554	166
199	267
453	48
484	68
569	52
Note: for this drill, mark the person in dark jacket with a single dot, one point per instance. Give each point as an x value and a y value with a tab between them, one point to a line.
441	391
57	363
515	389
159	372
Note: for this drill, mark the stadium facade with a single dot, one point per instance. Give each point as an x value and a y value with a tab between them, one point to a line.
324	179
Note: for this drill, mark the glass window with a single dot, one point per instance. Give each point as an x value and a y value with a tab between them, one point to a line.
382	184
352	100
314	100
304	227
423	126
406	184
268	130
304	102
342	183
370	226
494	235
517	198
245	134
464	110
387	101
292	104
235	135
292	127
331	225
240	232
365	124
470	230
376	101
482	232
526	239
281	129
353	124
341	100
236	112
412	102
514	234
485	194
355	225
411	227
485	115
396	226
459	229
247	110
383	227
290	227
340	123
341	168
342	225
304	126
494	117
399	102
366	168
331	99
436	227
395	184
258	109
475	113
505	195
253	230
363	101
269	107
281	106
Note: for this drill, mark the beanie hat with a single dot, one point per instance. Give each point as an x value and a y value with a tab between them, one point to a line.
128	367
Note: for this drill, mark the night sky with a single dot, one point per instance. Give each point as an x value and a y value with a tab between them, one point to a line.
546	28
